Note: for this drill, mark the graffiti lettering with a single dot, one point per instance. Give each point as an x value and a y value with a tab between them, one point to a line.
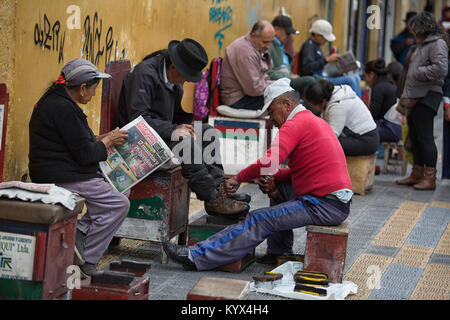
94	46
220	15
48	37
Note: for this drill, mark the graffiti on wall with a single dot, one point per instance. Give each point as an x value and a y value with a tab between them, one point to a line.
255	12
98	43
221	13
49	37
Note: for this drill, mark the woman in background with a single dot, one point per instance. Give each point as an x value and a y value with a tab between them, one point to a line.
425	70
382	98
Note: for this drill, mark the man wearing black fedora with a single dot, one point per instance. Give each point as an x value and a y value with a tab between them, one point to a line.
153	89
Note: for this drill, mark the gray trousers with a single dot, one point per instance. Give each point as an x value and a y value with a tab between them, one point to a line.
107	208
274	223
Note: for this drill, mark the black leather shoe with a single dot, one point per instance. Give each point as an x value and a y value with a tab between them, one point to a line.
244	197
179	254
268	259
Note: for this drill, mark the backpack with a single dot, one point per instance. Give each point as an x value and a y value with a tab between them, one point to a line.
206	96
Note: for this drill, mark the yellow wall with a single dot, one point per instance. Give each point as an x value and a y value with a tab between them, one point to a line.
36	42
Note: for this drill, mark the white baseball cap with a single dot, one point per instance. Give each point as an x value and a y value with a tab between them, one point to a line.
275	90
324	28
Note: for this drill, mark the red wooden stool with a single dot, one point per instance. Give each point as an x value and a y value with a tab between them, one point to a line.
38	243
326	248
112	285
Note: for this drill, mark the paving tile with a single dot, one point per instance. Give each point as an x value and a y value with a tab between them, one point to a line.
438	204
434	284
414	256
443	247
363	271
382	251
424	236
440	259
398	281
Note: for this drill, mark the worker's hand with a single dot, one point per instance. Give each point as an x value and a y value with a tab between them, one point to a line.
267	186
263	184
295	76
447	113
333	57
115	138
183	131
232	186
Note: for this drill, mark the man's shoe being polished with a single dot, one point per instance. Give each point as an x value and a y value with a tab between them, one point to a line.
244	197
179	254
222	205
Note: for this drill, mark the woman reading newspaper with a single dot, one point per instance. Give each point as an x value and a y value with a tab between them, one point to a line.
65	151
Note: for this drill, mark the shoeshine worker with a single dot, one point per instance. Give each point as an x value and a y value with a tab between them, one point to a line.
314	190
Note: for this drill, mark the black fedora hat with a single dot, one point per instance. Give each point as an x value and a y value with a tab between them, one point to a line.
189	58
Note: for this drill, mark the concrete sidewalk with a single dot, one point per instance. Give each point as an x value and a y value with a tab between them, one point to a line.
396	232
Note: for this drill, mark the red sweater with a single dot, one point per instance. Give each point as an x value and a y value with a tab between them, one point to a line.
317	164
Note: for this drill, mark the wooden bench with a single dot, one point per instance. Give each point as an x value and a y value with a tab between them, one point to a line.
326	249
362	173
219	289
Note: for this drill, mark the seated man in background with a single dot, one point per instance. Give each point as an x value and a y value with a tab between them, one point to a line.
245	67
312	61
154	90
315	189
281	60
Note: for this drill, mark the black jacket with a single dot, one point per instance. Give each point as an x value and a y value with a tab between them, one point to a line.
63	148
383	97
145	93
311	59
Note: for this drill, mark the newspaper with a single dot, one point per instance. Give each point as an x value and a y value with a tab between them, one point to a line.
346	64
142	154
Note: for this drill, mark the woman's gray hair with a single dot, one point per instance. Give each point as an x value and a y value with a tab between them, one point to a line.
424	24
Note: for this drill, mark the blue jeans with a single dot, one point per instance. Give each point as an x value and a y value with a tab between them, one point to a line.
276	223
388	131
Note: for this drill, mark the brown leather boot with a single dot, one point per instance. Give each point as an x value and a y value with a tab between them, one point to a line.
429	180
415	177
225	206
